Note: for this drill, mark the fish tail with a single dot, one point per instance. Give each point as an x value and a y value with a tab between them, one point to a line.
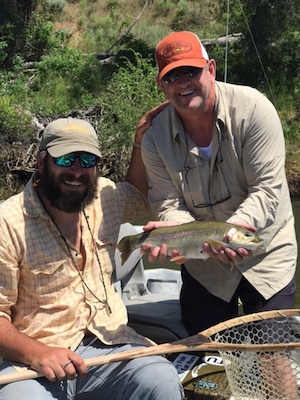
125	249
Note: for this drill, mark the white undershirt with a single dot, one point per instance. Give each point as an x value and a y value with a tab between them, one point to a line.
206	150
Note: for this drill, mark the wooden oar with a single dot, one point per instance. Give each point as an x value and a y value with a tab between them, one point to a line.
198	342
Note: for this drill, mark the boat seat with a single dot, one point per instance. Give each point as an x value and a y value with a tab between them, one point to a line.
152	311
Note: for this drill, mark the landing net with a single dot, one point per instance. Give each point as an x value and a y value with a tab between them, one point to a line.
263	375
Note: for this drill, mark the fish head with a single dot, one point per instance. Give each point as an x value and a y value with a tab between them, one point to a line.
241	237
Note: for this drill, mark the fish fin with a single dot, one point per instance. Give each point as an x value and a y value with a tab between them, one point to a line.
125	249
179	259
216	244
231	265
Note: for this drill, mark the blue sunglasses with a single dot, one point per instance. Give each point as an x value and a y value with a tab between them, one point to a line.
87	160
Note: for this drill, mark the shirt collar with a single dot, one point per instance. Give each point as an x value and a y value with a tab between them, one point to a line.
32	206
220	112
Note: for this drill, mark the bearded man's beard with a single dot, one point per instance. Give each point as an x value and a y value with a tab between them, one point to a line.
71	203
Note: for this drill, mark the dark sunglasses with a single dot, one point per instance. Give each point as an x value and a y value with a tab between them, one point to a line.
173	75
87	160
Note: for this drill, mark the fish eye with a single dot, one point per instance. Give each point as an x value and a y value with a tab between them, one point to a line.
248	234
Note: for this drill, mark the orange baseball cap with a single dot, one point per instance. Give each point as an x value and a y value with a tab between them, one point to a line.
180	49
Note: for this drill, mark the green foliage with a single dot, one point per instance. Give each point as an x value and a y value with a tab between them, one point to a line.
80	20
164	6
65	79
111	4
14	17
40	39
130	93
13	87
197	16
3	53
60	78
271	38
100	33
55	5
15	121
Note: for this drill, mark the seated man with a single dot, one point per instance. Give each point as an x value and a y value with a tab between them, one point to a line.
58	305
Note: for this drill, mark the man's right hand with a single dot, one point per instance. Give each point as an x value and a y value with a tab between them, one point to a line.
56	363
146	121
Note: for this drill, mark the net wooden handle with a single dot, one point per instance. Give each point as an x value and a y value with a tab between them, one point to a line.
262	316
198	342
159	350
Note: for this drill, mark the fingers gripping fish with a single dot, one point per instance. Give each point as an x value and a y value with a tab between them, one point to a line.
188	239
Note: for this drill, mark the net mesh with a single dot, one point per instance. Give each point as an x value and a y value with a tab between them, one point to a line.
262	375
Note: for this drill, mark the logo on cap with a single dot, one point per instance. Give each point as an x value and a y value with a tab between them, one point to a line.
75	128
176	48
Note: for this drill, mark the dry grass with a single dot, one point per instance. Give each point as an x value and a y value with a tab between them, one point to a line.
152	25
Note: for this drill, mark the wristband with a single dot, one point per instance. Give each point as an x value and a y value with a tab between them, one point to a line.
137	145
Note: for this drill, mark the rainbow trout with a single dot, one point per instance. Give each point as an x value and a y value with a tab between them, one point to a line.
188	239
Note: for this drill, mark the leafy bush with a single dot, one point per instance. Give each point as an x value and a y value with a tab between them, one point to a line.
164	6
14	17
55	5
39	39
15	122
65	79
130	93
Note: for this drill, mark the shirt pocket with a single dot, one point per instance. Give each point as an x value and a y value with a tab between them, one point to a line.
196	186
45	282
105	253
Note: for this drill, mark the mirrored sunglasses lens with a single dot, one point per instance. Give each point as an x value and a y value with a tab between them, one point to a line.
65	161
191	71
87	160
171	76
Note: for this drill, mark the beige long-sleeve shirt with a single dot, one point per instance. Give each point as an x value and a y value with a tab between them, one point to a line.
243	180
41	291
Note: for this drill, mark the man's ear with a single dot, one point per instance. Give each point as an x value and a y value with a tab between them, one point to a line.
212	69
159	82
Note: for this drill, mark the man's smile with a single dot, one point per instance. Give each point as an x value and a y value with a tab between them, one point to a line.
73	183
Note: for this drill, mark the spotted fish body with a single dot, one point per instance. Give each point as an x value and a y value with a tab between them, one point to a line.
188	239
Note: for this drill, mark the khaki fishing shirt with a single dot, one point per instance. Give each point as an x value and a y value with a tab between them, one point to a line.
41	291
243	181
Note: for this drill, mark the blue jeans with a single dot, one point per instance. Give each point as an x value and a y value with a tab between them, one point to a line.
146	378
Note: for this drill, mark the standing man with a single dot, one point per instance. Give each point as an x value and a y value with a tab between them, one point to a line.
58	304
217	153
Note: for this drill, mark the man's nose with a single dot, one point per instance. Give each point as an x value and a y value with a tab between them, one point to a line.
76	167
182	78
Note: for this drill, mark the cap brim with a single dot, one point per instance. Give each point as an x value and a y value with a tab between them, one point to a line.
200	63
60	150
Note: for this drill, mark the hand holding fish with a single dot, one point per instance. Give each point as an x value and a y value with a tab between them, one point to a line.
160	252
228	255
193	240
